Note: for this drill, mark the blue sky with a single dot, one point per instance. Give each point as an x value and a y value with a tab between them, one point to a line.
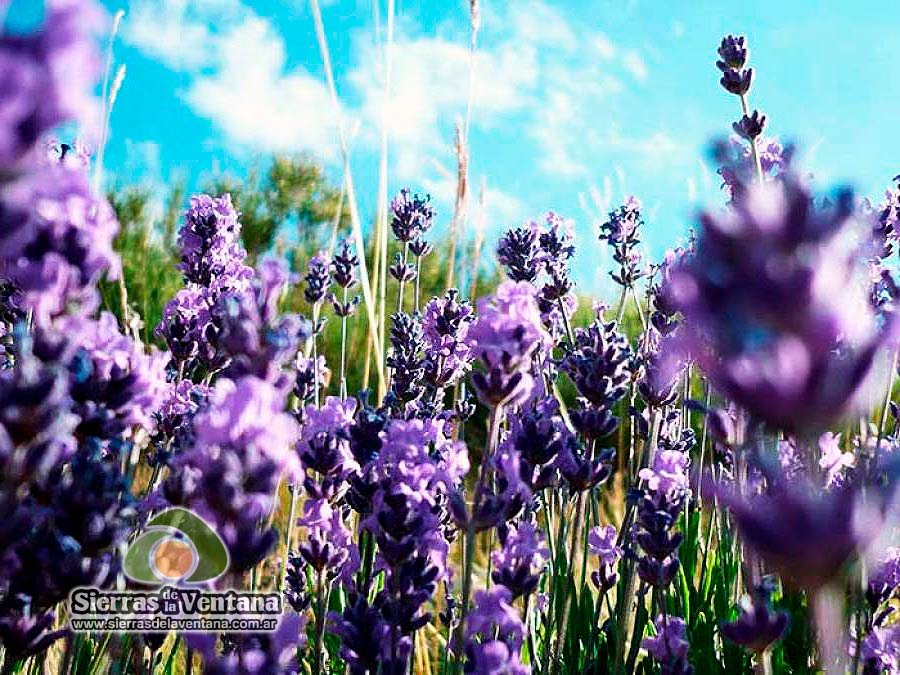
577	104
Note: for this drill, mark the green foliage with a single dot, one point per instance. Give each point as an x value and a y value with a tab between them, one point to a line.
291	198
149	259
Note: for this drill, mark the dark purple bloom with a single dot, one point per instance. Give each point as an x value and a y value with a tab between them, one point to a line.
328	548
243	444
538	436
411	215
401	271
807	538
665	489
324	447
494	635
792	343
344	264
187	325
24	634
581	470
311	376
670	646
750	126
733	51
318	278
519	253
519	563
114	383
880	651
622	233
296	591
36	420
405	358
599	363
254	653
758	626
737	82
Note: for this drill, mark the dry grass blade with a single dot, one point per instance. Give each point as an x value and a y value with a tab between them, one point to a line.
368	298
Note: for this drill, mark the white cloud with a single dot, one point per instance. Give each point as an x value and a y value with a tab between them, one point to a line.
602	45
240	80
257	102
634	64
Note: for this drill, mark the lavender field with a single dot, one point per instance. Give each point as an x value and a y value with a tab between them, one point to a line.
429	449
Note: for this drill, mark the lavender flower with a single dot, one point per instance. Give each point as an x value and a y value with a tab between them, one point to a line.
602	543
254	653
733	53
324	448
808	538
210	241
243	444
506	336
622	232
750	127
518	564
494	635
55	240
115	384
25	634
36	421
344	264
519	253
884	578
411	215
405	358
791	345
445	326
670	646
48	77
187	325
666	487
328	548
538	436
311	375
758	626
880	651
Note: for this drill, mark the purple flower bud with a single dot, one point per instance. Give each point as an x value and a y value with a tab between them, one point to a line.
507	334
750	127
494	635
737	82
318	278
519	254
411	215
733	51
329	547
758	625
602	543
210	240
445	326
344	264
521	560
246	653
670	646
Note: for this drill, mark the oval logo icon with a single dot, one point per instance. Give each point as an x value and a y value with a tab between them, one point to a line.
176	546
